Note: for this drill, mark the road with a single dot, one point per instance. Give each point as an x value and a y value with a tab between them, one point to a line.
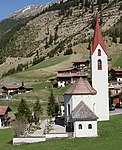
115	112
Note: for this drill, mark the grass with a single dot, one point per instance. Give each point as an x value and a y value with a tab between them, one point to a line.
110	137
49	62
118	62
13	104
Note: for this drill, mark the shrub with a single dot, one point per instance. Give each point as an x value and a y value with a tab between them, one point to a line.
68	51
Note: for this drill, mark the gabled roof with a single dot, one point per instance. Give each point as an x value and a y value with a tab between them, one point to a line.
10	87
81	86
83	112
65	75
80	61
67	69
117	69
97	38
16	87
4	109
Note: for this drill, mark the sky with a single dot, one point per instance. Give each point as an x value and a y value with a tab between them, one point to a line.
8	7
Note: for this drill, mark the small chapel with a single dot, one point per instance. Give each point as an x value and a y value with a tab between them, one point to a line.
86	103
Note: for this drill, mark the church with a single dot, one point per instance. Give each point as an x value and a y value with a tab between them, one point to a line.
86	103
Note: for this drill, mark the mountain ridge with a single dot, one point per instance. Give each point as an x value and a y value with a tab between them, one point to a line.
55	30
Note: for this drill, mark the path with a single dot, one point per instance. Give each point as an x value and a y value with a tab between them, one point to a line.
116	111
40	132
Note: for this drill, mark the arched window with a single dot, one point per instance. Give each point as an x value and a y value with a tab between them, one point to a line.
68	109
99	64
99	52
90	126
80	126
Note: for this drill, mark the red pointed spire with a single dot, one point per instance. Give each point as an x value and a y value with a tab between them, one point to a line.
97	38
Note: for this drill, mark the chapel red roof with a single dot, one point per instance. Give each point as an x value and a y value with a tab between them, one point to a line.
81	86
97	39
4	109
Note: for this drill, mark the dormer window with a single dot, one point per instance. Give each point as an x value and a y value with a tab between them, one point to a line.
99	52
99	64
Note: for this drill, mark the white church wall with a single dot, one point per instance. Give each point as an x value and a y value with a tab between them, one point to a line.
85	131
100	84
87	99
74	100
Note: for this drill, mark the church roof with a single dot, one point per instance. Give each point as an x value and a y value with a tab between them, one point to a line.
83	112
81	86
97	38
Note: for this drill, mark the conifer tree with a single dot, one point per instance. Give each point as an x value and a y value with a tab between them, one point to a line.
52	108
114	39
37	111
50	39
23	111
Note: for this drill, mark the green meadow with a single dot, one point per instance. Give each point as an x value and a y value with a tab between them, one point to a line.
109	138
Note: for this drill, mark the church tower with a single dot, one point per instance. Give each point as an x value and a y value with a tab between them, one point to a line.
99	73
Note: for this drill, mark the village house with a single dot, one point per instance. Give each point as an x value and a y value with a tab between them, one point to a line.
116	74
81	64
115	92
8	91
68	70
116	99
69	78
70	75
4	118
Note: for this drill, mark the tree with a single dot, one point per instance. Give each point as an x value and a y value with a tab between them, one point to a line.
120	39
19	126
50	39
19	67
101	18
55	36
46	43
114	39
68	51
93	22
37	111
23	111
52	108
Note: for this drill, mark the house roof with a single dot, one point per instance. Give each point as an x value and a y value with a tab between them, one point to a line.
81	86
83	112
80	61
66	69
4	109
72	74
117	94
9	87
117	69
97	38
16	87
